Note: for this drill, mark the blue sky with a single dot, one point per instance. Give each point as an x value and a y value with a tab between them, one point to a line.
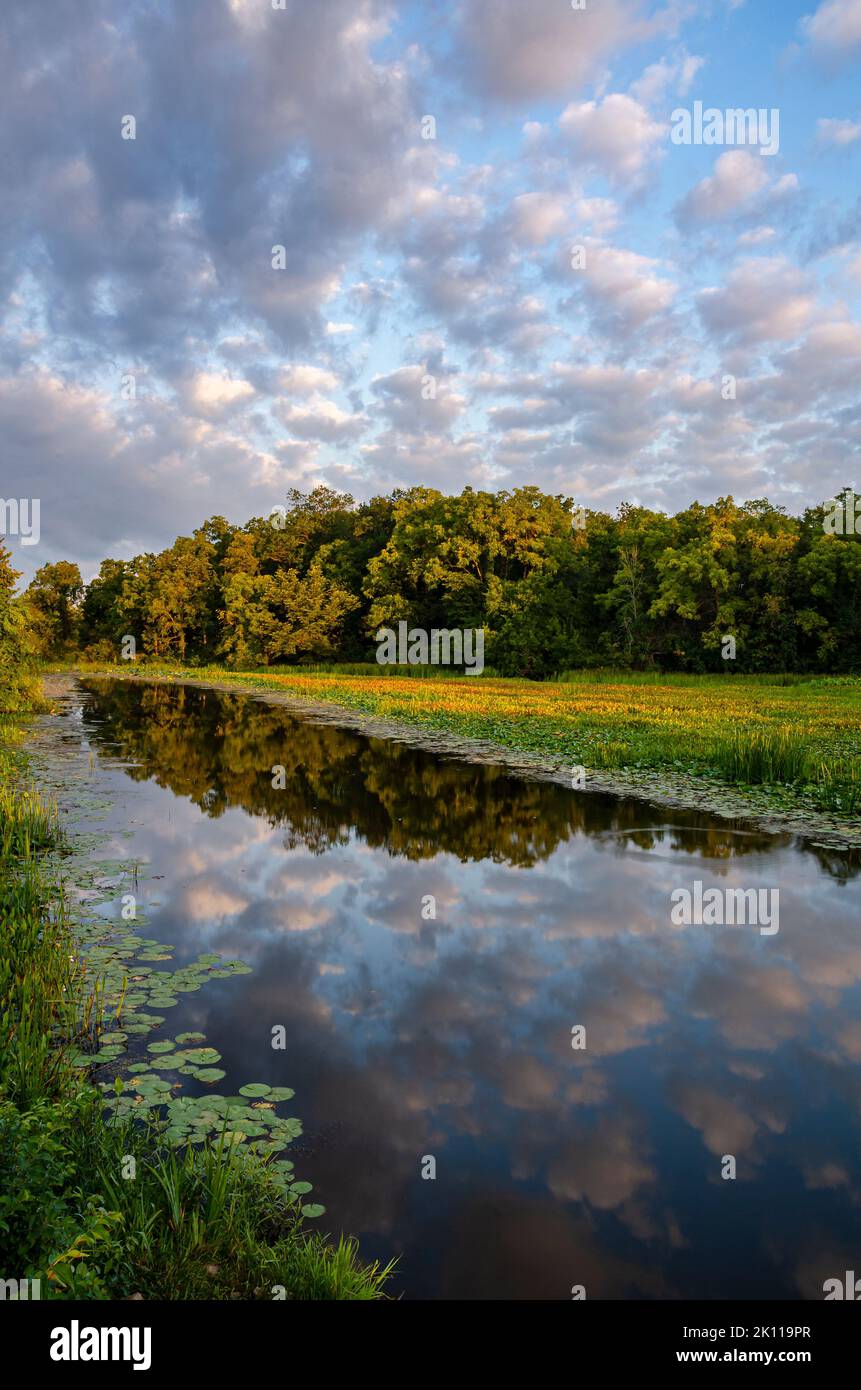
429	326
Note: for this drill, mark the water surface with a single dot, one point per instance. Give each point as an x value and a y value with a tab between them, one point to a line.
412	1037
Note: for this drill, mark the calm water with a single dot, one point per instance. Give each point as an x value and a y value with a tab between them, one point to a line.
409	1037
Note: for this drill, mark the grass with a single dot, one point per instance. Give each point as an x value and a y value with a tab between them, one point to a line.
98	1210
801	733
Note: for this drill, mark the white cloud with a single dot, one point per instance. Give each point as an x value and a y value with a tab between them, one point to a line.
304	379
536	217
214	394
616	136
764	299
835	29
741	184
624	286
414	399
674	74
321	419
515	51
837	132
601	215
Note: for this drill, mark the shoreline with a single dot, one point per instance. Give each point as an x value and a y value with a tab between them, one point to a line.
666	789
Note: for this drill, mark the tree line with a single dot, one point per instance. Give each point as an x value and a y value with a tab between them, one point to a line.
554	586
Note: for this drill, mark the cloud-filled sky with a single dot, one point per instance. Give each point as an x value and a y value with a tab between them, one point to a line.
548	290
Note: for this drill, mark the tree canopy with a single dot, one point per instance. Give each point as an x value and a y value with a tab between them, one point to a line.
555	586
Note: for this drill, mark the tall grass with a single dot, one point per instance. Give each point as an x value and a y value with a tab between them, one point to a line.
38	970
778	755
837	788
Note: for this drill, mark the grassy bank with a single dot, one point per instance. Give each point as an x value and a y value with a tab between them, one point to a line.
99	1206
800	736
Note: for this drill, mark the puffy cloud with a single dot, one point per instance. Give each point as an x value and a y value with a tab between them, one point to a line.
601	215
536	217
304	379
740	185
764	299
622	288
413	398
107	479
143	241
214	394
616	135
515	52
675	74
321	419
834	30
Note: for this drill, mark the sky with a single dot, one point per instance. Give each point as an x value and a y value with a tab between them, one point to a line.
497	265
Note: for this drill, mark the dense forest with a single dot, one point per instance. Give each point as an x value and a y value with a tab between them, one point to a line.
554	586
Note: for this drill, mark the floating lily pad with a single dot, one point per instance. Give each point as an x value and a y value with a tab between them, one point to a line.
151	1084
254	1088
199	1056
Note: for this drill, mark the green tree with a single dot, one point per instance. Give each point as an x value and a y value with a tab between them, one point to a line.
54	599
282	616
17	680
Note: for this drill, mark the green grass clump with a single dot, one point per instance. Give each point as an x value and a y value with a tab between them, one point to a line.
771	755
205	1224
